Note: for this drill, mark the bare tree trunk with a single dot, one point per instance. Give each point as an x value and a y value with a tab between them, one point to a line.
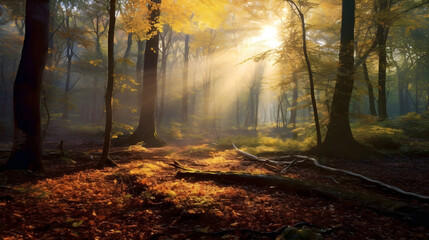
339	139
27	142
382	8
146	130
109	90
139	68
68	75
310	74
185	82
371	98
294	103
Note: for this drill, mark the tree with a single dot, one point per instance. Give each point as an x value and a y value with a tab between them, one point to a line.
185	81
109	91
27	143
146	130
310	72
339	138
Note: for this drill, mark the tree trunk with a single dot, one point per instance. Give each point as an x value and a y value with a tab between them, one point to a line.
381	38
310	76
371	98
294	103
146	130
109	90
68	75
129	45
27	142
339	139
185	82
139	68
162	78
50	60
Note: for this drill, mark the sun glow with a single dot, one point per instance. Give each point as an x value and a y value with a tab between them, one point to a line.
268	37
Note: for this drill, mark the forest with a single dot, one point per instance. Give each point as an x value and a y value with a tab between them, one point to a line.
214	119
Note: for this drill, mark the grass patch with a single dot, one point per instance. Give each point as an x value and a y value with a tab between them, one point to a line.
267	145
379	137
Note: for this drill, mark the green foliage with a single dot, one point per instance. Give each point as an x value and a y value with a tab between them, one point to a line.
263	144
82	129
119	128
174	131
413	124
378	137
199	150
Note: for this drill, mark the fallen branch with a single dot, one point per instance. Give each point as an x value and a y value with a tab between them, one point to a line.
389	207
300	158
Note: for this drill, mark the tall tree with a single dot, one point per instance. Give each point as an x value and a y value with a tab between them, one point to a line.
27	143
310	72
382	7
185	81
109	90
146	130
339	138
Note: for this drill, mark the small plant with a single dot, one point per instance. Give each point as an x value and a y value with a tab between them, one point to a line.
137	148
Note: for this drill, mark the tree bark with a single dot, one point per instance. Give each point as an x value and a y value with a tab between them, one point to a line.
139	68
339	139
146	130
371	98
382	7
27	142
109	90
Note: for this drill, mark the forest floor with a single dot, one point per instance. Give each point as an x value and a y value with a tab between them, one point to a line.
143	199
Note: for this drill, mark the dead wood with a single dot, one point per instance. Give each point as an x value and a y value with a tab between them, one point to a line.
300	158
386	206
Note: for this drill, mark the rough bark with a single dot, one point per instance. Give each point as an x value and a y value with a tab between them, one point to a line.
109	90
146	130
339	139
27	142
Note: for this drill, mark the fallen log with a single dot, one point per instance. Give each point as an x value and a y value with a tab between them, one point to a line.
300	158
382	205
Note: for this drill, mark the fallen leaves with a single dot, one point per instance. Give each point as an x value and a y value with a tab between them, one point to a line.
142	198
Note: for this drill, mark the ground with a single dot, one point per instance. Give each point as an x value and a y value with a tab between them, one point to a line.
143	199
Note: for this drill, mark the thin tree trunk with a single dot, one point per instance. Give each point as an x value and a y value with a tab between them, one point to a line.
371	98
310	74
27	142
381	38
109	90
129	45
68	74
185	82
294	103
